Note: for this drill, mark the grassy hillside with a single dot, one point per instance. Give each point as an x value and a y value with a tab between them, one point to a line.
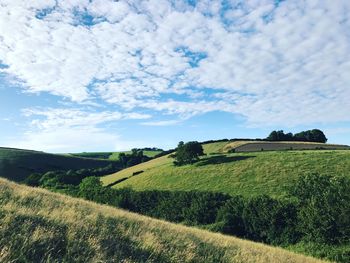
17	164
40	226
111	155
270	172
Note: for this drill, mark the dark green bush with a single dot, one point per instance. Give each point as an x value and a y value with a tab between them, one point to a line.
270	220
230	217
324	214
33	179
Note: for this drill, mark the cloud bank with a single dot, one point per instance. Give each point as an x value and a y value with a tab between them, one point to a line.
272	62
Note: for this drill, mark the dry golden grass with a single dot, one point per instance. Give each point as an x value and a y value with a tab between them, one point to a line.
40	226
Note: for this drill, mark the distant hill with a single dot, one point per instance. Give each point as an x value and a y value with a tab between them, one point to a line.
113	156
40	226
247	173
17	164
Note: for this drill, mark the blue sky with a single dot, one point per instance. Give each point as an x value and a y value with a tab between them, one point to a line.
111	75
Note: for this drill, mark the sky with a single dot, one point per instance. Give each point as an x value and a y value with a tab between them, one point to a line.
104	75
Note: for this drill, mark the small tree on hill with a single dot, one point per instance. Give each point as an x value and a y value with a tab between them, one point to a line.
188	153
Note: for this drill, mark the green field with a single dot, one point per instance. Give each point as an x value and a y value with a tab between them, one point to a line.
40	226
111	155
254	173
17	164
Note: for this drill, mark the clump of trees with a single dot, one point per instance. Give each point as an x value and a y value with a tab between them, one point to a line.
135	157
188	153
314	135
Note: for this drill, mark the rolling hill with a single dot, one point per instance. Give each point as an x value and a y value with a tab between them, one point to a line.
246	173
17	164
40	226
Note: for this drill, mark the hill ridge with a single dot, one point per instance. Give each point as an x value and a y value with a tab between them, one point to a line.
17	164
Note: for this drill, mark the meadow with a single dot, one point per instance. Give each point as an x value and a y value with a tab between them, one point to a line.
248	174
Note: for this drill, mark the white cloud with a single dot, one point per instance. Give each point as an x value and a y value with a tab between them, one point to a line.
274	65
161	123
66	139
61	130
75	118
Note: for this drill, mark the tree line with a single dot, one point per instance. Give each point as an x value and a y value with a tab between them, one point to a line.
314	135
135	157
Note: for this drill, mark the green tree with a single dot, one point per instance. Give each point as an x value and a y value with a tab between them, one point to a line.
188	153
280	136
314	135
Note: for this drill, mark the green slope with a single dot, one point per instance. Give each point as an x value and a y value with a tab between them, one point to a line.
17	164
39	226
248	174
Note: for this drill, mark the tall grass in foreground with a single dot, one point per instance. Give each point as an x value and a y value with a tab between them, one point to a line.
40	226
